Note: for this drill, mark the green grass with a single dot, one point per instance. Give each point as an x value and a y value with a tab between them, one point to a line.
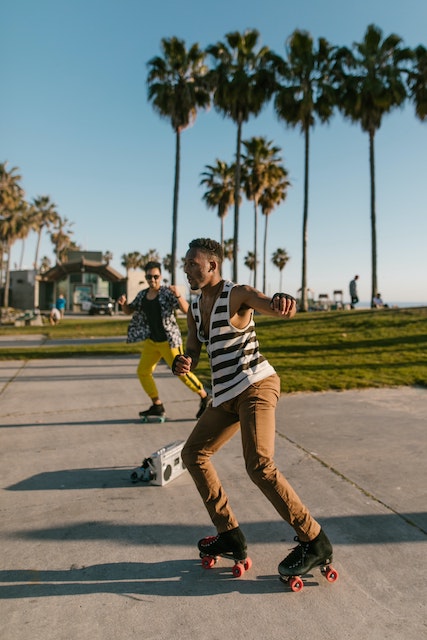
313	352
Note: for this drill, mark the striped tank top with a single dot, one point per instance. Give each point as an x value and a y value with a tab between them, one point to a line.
234	355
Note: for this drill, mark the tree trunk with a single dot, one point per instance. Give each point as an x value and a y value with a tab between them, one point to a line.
255	242
304	300
374	285
237	202
36	258
7	279
175	207
264	259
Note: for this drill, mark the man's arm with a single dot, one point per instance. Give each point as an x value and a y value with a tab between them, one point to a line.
244	297
124	305
183	364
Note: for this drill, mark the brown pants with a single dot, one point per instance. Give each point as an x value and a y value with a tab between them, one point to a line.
253	411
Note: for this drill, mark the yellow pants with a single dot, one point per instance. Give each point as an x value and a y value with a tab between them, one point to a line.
151	353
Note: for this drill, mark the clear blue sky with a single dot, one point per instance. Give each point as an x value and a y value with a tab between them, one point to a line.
76	121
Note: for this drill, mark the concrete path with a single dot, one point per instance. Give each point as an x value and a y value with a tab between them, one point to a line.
88	555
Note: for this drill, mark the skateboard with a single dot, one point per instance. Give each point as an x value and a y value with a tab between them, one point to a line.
239	568
146	419
296	583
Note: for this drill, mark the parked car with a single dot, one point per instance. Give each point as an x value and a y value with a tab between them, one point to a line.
102	305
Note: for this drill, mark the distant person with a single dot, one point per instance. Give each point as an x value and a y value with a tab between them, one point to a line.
154	323
61	303
353	292
378	302
55	316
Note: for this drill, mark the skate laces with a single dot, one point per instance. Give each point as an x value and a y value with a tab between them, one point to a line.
298	553
208	541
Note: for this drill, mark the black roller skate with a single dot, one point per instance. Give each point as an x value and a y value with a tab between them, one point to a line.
230	544
304	557
156	413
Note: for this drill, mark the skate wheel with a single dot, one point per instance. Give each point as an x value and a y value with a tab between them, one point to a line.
134	477
296	584
238	570
247	564
330	574
208	562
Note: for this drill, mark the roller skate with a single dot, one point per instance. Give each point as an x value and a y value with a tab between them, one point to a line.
230	544
156	413
304	557
144	473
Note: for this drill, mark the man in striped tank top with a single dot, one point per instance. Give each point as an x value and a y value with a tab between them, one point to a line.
245	391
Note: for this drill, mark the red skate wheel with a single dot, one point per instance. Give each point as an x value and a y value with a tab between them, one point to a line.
331	574
208	562
247	564
296	584
238	570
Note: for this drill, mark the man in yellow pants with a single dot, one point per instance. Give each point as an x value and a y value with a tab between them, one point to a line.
154	324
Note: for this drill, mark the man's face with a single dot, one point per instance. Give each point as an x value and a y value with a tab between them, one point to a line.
196	268
153	278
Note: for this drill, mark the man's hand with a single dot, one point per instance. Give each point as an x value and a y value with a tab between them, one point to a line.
181	365
283	303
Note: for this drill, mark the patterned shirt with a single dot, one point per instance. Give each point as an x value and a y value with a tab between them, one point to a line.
139	327
234	355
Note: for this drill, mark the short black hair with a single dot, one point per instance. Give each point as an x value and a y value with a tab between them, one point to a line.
209	246
153	265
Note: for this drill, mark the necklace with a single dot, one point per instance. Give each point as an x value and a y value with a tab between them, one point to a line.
206	308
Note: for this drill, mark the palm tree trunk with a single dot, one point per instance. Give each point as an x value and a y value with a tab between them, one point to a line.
21	259
264	259
7	279
236	201
304	301
36	258
175	207
374	285
255	241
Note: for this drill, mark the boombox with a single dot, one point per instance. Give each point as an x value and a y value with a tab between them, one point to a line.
162	466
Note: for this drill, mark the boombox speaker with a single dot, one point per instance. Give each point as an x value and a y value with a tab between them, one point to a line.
162	466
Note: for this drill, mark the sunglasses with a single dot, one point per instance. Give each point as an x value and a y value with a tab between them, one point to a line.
148	277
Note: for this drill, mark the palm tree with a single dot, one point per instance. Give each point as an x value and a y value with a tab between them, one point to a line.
61	238
177	88
371	85
259	163
219	180
417	82
305	93
280	259
242	83
132	260
44	214
12	218
152	255
273	195
24	228
250	261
